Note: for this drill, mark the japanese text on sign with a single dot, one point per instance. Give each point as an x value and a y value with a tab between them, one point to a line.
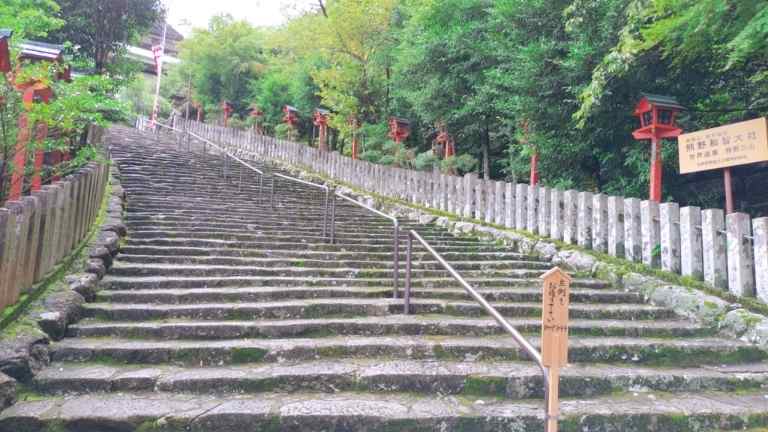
736	144
556	301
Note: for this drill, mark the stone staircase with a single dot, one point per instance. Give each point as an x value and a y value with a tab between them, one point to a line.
224	314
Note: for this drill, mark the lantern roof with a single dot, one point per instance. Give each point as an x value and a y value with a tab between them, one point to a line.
400	120
291	108
659	101
322	111
36	50
5	33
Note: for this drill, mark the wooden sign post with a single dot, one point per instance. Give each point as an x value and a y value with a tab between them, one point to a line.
724	147
554	336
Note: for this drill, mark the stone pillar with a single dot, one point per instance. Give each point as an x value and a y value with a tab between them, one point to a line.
545	210
469	194
741	279
489	187
480	202
600	223
669	214
521	207
499	200
633	239
760	232
556	212
649	219
533	209
691	253
616	226
584	233
509	205
570	216
714	248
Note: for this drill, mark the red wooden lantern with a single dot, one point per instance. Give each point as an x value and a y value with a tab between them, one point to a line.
354	124
399	129
320	120
444	145
226	107
257	115
291	116
657	116
5	51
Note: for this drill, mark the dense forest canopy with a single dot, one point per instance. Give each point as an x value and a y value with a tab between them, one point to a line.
507	78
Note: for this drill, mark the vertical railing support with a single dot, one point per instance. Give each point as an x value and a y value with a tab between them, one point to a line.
408	268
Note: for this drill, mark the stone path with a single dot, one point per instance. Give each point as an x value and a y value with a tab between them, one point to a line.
223	314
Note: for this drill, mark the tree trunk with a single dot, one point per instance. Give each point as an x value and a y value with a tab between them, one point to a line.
486	157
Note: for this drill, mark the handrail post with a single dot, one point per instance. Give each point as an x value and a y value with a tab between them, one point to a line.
272	194
396	262
333	219
408	267
325	211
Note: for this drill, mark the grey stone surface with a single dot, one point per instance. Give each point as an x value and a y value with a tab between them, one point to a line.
760	232
557	209
570	216
584	223
509	205
23	356
545	211
83	284
521	209
532	207
600	223
714	248
741	277
633	237
691	243
60	309
7	391
96	266
649	219
574	260
616	226
748	326
669	215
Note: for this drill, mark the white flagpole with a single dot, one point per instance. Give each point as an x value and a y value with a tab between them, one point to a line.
155	106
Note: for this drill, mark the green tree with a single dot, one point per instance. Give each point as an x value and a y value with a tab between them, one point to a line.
101	28
29	18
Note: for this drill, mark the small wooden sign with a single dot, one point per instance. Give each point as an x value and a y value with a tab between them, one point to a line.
725	146
554	325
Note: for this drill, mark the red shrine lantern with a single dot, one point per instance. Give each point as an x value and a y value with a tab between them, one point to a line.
354	124
657	121
5	51
257	115
444	145
226	107
320	120
291	118
399	129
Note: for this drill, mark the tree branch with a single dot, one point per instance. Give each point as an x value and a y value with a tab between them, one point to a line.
322	8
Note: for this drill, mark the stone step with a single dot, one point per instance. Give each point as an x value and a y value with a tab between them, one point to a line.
299	270
315	308
219	224
673	352
412	325
125	283
223	295
508	380
271	238
346	411
328	255
423	262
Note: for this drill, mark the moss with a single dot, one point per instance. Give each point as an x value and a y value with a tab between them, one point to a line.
485	386
53	280
248	355
56	426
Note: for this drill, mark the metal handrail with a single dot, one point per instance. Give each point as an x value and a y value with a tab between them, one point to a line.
396	245
519	338
227	154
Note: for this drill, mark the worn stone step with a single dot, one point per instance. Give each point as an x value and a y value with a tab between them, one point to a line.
214	295
310	412
132	282
472	379
315	308
285	236
329	255
159	224
423	263
675	352
348	245
156	270
412	325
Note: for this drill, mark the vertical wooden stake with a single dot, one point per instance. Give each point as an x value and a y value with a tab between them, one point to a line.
553	394
728	190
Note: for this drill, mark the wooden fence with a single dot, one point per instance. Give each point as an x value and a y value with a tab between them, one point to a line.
729	252
39	231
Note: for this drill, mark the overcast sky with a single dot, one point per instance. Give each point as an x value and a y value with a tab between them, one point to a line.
259	12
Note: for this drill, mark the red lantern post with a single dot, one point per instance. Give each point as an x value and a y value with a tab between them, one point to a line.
354	123
291	118
399	129
321	122
257	115
444	146
5	51
227	109
657	121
